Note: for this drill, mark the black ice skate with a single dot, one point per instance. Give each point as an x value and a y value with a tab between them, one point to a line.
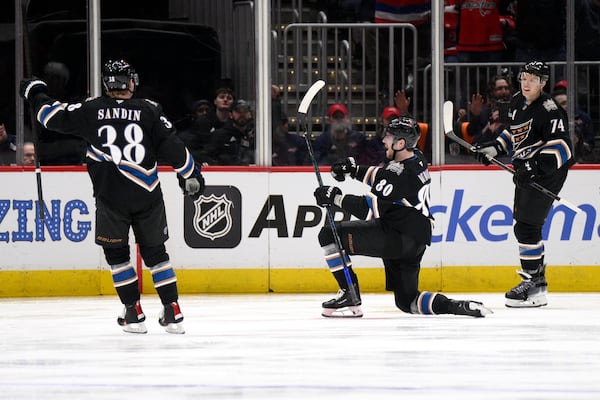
531	292
342	306
132	318
468	307
171	318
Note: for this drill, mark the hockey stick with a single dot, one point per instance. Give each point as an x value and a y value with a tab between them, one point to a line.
303	109
449	131
34	124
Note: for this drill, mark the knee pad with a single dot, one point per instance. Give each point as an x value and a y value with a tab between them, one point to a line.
326	236
116	255
154	255
527	233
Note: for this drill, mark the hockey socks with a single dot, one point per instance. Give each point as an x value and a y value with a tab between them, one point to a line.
429	303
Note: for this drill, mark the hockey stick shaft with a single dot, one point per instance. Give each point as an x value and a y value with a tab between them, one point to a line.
34	124
302	109
449	131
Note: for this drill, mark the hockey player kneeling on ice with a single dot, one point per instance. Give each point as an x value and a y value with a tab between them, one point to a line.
126	136
394	224
538	142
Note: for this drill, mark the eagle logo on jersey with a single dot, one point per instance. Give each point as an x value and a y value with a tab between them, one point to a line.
520	132
212	217
550	105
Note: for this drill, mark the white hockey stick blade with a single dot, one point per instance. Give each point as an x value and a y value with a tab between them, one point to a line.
448	116
310	95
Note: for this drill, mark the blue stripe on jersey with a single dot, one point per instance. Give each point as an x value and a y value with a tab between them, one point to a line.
506	140
47	112
188	167
149	178
560	150
96	155
370	203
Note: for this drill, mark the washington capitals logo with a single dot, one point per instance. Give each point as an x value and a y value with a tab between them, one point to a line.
520	132
212	218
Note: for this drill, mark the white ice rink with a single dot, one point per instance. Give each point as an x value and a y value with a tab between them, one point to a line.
279	347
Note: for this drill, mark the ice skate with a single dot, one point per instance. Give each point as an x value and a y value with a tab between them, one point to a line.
132	319
531	292
469	307
171	318
342	306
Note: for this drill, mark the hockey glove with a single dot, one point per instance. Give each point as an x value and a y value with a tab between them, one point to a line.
328	195
487	150
192	186
340	169
525	174
29	88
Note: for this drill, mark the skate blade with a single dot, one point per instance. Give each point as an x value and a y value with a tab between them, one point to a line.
344	312
174	328
532	302
138	327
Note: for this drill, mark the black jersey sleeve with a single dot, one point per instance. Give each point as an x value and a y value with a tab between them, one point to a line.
169	146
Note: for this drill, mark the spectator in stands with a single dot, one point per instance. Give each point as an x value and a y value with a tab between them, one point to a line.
480	39
584	139
488	117
450	31
480	31
8	147
587	30
339	140
55	148
388	114
198	136
287	148
540	30
28	154
415	12
234	143
403	102
223	101
375	143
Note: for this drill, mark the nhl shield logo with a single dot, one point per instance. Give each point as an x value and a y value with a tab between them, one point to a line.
212	216
215	219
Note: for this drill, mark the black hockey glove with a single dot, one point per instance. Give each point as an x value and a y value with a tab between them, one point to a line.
31	87
326	196
525	174
486	150
192	186
340	169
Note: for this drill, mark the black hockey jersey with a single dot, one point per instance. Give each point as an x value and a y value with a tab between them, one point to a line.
126	137
538	131
399	196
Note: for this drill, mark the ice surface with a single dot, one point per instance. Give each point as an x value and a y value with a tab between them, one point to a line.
279	347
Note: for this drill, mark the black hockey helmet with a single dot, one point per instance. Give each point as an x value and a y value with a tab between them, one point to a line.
116	75
405	128
537	68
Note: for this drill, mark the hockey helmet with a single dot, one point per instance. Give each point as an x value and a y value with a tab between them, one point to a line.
405	128
116	75
537	68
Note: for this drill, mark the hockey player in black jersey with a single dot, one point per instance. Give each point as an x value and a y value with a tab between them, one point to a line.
125	137
539	143
394	224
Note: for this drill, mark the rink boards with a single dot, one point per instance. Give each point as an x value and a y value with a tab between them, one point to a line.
255	230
